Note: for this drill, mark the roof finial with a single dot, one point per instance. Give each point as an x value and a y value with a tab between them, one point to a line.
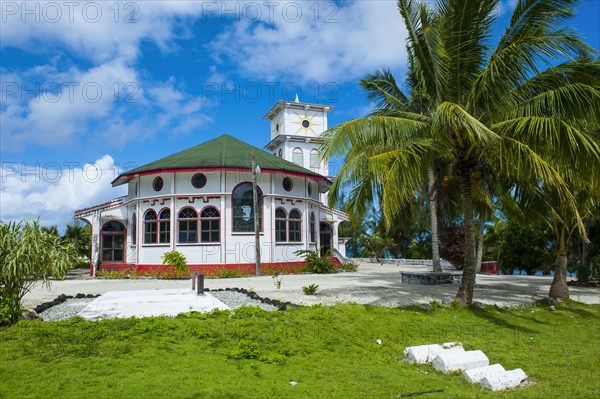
297	99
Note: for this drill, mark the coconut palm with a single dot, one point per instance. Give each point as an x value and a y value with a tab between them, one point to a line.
493	112
390	101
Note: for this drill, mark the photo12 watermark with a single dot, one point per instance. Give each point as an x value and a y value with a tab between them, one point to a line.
254	92
52	12
54	92
53	172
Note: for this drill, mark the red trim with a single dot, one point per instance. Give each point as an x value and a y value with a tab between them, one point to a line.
208	269
117	181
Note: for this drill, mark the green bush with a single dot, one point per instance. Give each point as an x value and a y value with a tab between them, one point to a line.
28	254
310	289
246	349
175	259
317	263
229	273
523	247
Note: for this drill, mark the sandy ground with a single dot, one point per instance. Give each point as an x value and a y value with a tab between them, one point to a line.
372	284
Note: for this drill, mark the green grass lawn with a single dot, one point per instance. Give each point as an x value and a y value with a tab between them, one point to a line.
331	352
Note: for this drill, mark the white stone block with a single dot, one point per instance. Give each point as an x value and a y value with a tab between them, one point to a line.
477	374
421	354
453	360
424	354
506	380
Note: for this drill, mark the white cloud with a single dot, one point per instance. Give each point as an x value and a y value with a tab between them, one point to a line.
54	190
339	43
98	30
70	107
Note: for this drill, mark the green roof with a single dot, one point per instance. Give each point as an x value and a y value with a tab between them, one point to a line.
222	152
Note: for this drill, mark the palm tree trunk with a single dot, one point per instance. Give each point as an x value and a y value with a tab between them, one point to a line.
464	296
480	245
435	243
559	287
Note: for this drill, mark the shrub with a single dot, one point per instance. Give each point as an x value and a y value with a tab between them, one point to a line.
523	247
350	266
246	349
246	312
111	274
28	254
317	263
229	273
175	259
310	289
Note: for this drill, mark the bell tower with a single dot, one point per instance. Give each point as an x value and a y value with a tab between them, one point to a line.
295	128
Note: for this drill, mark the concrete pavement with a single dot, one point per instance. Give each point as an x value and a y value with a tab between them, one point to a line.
372	284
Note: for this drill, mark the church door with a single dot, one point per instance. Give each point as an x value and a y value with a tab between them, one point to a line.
325	237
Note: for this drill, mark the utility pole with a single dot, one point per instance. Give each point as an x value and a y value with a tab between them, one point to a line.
255	172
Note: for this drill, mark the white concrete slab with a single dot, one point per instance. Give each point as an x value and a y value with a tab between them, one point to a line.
424	354
453	360
145	303
508	379
477	374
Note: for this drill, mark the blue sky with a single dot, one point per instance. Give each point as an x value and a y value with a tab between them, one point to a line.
91	88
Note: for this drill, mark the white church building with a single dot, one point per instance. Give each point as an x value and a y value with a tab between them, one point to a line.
200	202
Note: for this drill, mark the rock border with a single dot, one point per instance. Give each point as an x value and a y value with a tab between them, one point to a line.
280	305
60	299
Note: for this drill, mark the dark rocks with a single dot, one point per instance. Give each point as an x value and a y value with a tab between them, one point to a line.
431	278
425	306
478	305
549	301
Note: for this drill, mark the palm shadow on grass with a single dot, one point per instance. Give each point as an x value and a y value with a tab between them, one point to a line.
489	315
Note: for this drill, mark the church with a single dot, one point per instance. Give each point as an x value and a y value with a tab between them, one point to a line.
200	202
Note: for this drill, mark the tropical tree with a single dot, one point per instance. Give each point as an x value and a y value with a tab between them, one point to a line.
492	112
28	254
81	237
390	101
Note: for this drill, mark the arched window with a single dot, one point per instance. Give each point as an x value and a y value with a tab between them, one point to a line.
188	226
113	242
295	226
314	159
280	225
164	226
150	227
134	229
297	157
210	225
280	153
243	208
288	228
313	235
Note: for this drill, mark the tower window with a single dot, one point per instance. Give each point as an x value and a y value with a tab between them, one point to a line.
297	157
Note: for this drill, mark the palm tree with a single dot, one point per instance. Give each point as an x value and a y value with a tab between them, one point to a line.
390	101
492	110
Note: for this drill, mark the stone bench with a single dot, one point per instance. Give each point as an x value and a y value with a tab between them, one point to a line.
431	278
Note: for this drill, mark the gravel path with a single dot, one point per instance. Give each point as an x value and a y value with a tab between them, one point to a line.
71	307
235	300
65	310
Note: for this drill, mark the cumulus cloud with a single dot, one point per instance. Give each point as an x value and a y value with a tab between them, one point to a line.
308	41
97	30
54	190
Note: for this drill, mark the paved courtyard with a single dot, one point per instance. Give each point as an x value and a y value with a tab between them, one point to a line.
372	284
